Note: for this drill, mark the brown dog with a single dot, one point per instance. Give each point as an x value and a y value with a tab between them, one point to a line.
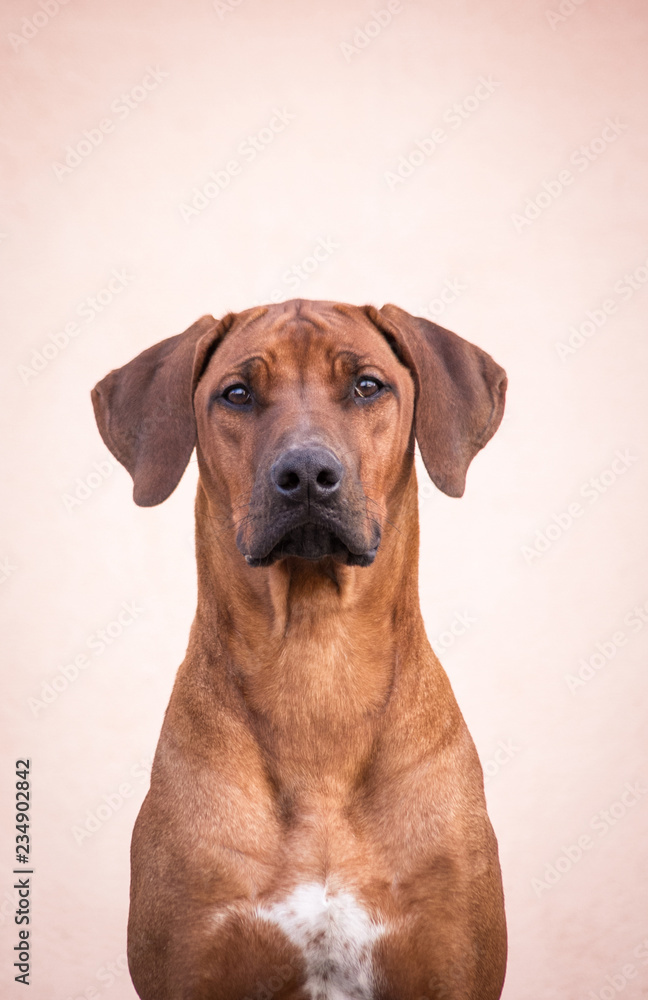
316	827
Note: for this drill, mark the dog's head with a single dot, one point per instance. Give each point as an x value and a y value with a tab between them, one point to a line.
304	416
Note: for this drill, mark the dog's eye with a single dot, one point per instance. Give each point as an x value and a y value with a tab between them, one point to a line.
366	386
237	394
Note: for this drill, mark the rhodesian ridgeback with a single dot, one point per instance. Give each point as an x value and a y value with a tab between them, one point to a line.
316	827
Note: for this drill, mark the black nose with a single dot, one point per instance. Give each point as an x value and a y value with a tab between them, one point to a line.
307	473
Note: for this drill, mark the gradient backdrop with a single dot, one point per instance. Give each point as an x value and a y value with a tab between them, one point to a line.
481	163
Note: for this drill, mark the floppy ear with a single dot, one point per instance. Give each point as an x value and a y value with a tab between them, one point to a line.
460	394
145	413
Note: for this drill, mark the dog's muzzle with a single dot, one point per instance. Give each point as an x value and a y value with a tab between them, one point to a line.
308	506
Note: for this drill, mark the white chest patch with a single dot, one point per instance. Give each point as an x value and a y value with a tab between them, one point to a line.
335	935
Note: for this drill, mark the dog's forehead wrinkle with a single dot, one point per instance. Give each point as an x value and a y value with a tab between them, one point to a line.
300	326
252	363
303	349
250	316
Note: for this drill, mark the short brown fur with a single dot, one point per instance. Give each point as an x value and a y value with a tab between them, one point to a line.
311	733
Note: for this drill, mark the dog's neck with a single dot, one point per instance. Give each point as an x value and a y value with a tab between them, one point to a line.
273	624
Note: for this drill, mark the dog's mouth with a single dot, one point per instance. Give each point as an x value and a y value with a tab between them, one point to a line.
314	541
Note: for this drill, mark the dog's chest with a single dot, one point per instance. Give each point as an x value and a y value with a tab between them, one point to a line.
335	935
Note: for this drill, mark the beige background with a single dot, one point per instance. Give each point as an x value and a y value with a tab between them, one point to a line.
558	760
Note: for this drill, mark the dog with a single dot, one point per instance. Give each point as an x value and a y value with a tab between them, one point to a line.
316	827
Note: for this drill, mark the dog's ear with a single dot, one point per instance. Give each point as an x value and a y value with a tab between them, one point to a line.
460	393
145	413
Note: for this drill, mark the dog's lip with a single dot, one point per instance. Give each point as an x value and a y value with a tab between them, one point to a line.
326	523
341	553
